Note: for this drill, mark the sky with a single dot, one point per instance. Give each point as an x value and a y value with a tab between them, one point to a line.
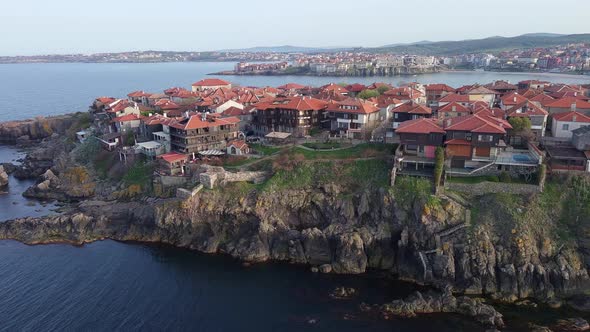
31	27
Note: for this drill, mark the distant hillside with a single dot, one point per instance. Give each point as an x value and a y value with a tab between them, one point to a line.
490	44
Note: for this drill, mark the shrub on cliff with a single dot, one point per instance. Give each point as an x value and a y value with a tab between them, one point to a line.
439	165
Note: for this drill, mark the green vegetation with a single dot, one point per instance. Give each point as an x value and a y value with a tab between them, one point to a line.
520	124
367	94
439	165
264	149
351	175
364	150
139	174
408	190
87	151
382	89
323	146
81	121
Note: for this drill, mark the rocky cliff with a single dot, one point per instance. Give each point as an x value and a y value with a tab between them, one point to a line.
36	129
483	249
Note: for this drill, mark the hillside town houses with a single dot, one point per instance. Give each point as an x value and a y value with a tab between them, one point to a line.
483	129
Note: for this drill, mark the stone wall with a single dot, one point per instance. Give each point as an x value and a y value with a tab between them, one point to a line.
485	187
210	176
173	181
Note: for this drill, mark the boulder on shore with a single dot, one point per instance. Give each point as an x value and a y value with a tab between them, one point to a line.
3	177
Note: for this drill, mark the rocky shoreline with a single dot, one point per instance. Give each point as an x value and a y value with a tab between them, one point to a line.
323	226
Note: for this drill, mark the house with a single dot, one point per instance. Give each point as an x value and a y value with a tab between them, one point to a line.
224	106
352	118
502	87
210	84
509	100
237	148
533	84
406	94
295	115
151	149
454	98
536	114
563	124
419	139
434	92
139	97
201	132
453	109
480	93
473	139
245	116
409	111
568	104
172	163
127	123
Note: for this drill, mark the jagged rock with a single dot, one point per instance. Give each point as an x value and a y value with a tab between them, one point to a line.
44	186
343	293
325	268
350	255
316	246
571	325
431	302
3	177
538	328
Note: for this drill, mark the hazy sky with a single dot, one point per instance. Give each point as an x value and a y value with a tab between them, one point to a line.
83	26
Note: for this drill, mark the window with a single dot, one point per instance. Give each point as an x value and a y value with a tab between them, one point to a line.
565	127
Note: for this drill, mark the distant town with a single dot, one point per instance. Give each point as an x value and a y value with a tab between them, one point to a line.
567	57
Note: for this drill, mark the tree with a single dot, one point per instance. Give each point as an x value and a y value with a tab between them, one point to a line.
366	94
382	89
520	124
438	165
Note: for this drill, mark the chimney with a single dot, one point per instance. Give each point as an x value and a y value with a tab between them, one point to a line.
574	106
515	98
165	115
454	108
574	118
186	114
448	122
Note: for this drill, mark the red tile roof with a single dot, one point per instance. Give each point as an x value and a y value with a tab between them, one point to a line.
293	103
477	123
571	116
457	108
524	109
197	122
412	108
173	157
211	82
419	126
512	98
126	118
568	102
352	105
453	97
439	87
291	86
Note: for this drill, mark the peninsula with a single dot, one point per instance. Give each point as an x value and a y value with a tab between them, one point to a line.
473	190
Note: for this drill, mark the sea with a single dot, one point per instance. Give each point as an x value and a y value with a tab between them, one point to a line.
114	286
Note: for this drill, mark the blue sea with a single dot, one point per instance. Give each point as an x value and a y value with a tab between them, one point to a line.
112	286
29	90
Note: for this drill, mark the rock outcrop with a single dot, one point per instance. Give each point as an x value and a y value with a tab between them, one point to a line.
445	302
35	129
434	244
3	177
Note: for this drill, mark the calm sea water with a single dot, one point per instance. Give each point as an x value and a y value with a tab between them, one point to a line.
114	286
29	90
